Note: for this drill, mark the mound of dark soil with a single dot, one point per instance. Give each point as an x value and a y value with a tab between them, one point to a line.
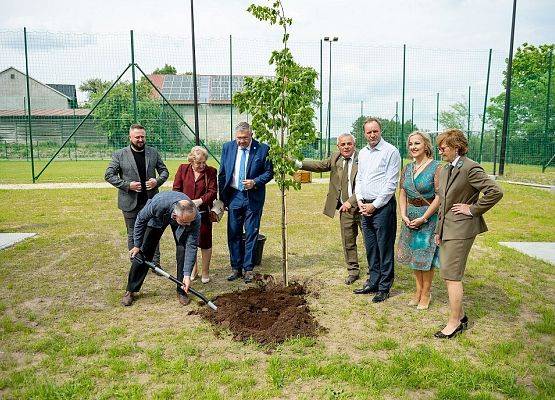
268	314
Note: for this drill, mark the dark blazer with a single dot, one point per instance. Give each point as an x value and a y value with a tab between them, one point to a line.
467	180
184	182
123	169
259	168
334	164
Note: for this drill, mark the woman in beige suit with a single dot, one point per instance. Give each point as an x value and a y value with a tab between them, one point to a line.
459	219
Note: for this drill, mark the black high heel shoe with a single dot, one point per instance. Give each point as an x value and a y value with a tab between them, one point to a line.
464	321
441	335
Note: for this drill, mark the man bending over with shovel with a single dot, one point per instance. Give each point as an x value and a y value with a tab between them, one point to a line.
165	208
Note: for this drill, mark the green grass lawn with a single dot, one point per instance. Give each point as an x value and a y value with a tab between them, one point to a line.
64	335
93	171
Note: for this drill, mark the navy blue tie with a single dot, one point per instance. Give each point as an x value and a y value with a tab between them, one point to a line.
242	169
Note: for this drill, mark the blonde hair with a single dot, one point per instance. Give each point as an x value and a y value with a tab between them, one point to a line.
196	153
427	142
455	139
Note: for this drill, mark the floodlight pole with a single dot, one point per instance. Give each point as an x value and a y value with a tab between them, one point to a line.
230	90
29	104
403	105
195	94
330	40
507	110
134	85
485	108
321	102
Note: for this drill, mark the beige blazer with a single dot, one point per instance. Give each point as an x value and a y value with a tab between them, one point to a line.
334	164
467	180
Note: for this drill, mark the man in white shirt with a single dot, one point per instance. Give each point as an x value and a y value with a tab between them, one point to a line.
342	166
378	173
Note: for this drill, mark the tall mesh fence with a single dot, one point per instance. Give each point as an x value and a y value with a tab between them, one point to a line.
407	88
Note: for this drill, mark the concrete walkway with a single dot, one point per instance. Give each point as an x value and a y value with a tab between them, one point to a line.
545	251
93	185
9	239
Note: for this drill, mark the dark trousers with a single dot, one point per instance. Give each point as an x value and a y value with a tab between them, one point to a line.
130	217
151	240
379	231
241	216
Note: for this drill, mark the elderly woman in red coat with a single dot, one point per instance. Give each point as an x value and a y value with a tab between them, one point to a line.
199	182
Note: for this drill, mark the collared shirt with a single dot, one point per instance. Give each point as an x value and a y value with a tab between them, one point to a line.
235	181
455	161
378	173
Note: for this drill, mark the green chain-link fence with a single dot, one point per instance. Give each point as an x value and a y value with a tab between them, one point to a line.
427	89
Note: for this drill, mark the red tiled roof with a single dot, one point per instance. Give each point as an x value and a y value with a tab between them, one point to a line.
50	112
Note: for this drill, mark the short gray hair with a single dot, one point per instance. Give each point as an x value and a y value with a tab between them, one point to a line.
344	135
243	127
184	207
196	153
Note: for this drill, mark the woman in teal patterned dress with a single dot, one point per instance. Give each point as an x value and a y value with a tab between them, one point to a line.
418	204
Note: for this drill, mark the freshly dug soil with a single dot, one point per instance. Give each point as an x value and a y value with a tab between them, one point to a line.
268	313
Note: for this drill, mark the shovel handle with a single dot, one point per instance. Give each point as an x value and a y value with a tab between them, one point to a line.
172	278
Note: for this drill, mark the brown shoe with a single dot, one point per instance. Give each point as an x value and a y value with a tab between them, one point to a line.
127	299
350	279
183	299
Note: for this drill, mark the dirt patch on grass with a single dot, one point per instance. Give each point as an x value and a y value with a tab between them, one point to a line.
268	313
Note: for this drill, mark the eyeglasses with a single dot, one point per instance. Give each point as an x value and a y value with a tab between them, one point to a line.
442	148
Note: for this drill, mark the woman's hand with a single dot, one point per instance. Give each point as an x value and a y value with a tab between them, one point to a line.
437	239
461	208
406	220
417	222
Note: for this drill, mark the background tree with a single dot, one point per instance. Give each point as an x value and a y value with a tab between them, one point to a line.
282	110
94	86
166	70
115	114
391	131
455	117
528	92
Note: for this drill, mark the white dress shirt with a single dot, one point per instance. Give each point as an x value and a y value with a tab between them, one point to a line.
235	181
378	173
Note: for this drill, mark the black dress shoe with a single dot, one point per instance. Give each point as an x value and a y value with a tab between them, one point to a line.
441	335
350	279
365	290
381	296
236	274
464	322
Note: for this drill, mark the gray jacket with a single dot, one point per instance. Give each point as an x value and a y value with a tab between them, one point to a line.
122	170
157	213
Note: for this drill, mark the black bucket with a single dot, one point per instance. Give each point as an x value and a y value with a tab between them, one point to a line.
258	249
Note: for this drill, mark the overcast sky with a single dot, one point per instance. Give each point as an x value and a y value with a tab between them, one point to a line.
467	27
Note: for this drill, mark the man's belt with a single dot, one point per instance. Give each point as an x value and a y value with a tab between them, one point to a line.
420	202
367	201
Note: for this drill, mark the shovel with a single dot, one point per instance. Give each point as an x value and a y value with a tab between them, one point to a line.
172	278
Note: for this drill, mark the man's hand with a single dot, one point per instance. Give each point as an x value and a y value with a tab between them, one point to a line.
461	208
248	183
135	186
367	209
345	207
133	252
151	184
197	202
437	240
186	283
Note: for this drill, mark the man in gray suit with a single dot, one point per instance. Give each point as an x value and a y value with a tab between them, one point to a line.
133	171
180	213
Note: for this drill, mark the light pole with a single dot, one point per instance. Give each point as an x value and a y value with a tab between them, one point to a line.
330	40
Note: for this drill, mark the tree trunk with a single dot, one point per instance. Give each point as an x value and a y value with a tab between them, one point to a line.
284	235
